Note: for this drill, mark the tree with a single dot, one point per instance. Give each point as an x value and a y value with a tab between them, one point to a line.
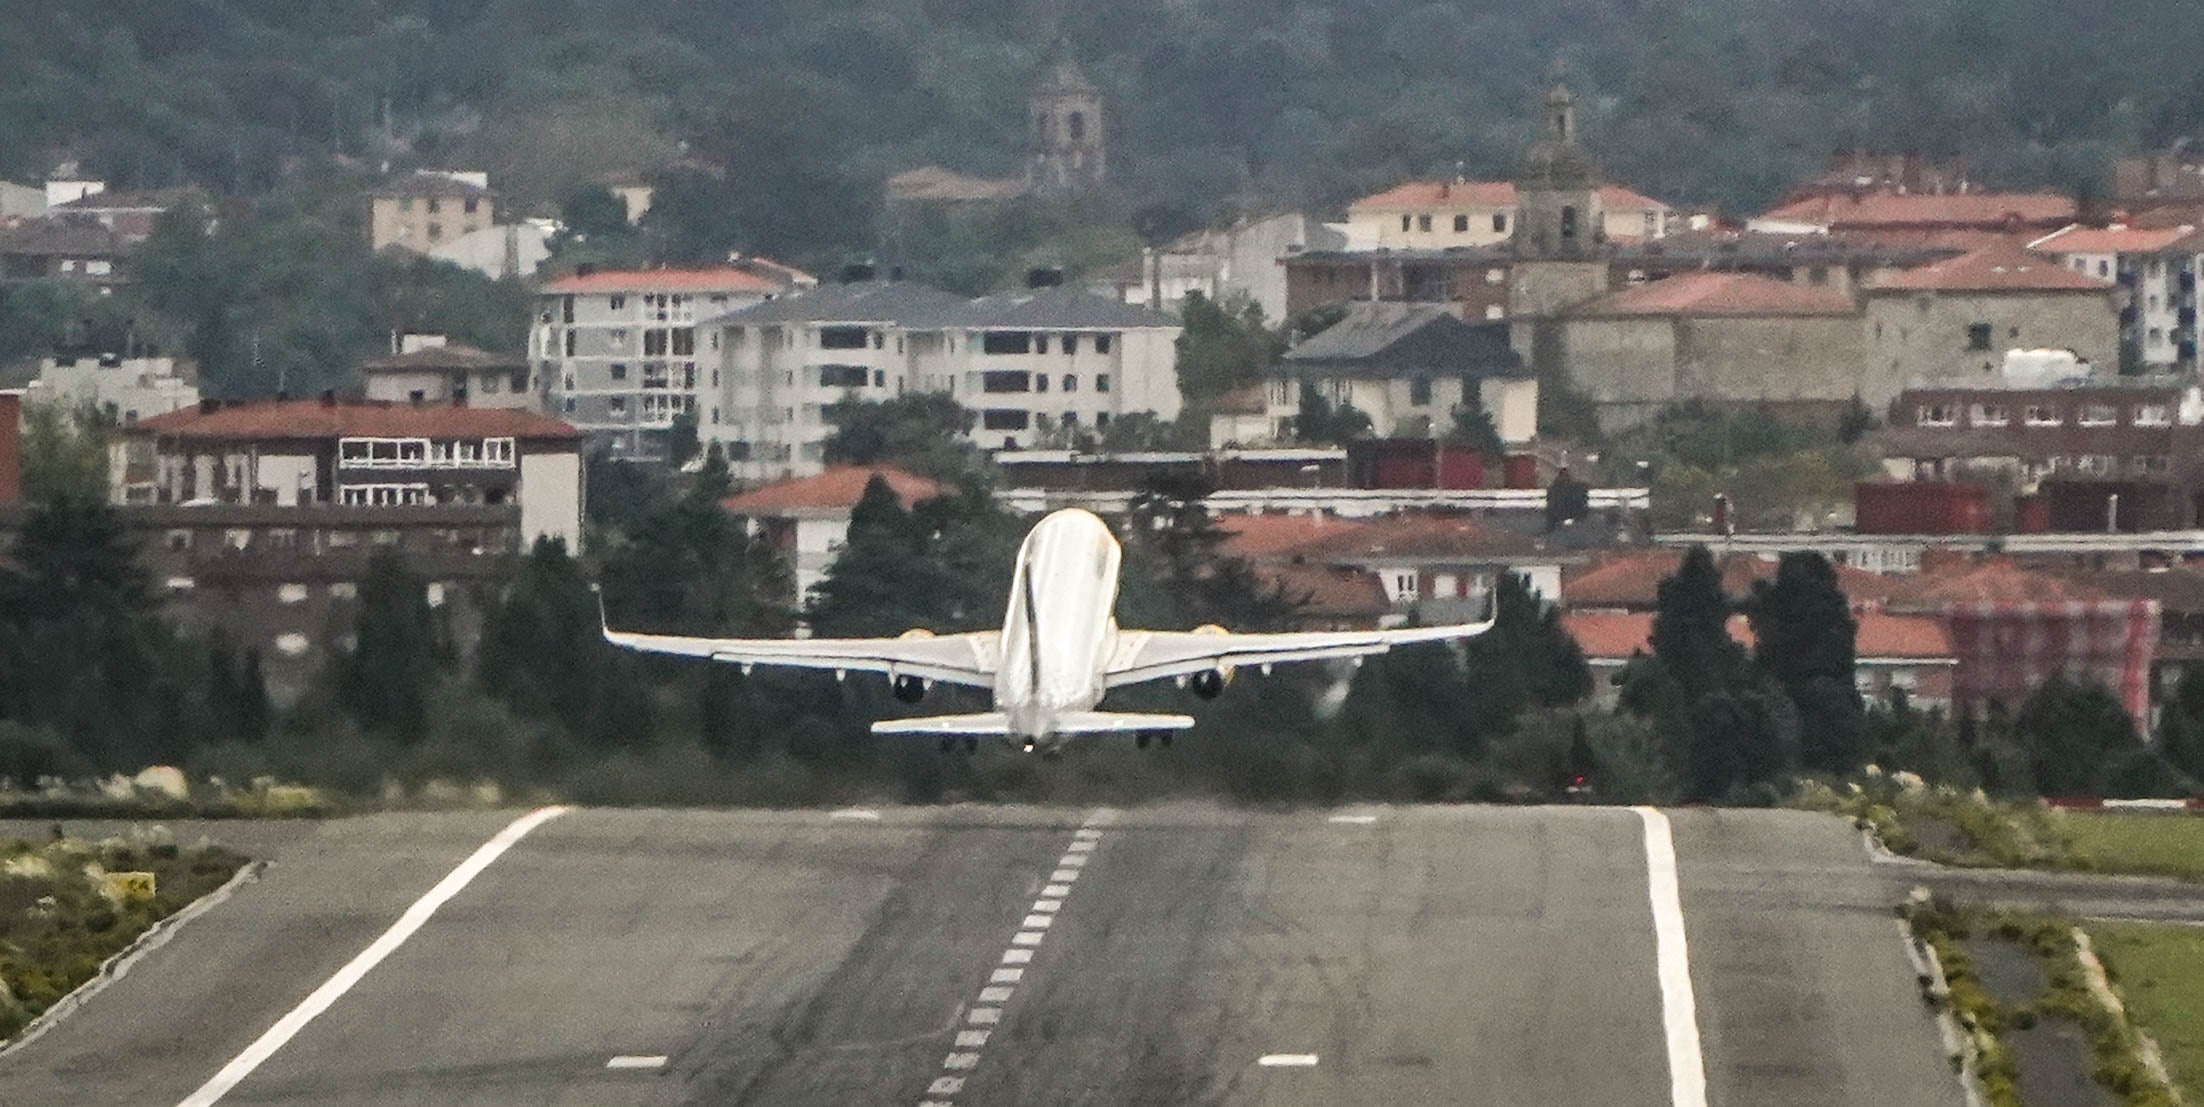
593	212
64	452
684	566
1526	660
942	565
924	432
543	653
1224	346
2181	734
1473	428
1319	421
386	677
1803	633
2072	733
1720	727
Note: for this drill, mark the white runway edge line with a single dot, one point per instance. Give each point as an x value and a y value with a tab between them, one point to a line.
984	1015
313	1005
1687	1074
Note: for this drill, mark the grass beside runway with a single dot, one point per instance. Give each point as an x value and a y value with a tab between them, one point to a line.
2159	970
2159	845
67	905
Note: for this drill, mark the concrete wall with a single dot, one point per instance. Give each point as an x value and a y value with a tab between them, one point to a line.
1917	338
1512	402
551	497
1539	289
1772	359
407	223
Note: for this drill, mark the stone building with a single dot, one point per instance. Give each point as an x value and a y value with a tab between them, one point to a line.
1952	322
1718	337
1068	137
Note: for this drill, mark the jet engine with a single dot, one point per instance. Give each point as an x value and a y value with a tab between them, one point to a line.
1211	683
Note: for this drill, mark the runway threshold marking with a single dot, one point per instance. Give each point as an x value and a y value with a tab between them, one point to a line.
1003	981
1687	1076
332	989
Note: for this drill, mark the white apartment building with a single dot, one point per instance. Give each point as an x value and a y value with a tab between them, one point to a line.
1030	364
2156	269
617	353
126	389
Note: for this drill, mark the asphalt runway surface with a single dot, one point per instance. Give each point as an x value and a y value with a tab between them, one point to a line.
1178	954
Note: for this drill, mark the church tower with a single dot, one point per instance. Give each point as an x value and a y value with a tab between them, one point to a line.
1558	216
1067	132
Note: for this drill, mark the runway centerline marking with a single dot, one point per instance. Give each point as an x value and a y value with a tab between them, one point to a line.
979	1019
637	1061
1287	1060
331	990
1353	820
1687	1076
865	814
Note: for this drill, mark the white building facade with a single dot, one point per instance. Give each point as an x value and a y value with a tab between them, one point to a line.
124	389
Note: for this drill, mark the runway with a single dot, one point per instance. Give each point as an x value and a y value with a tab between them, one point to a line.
976	955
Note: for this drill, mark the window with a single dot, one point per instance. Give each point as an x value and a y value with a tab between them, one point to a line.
616	302
654	342
998	419
382	495
842	376
2153	415
1102	345
616	405
566	309
1978	336
436	231
1101	382
570	343
1040	344
490	383
1006	380
1419	392
435	205
1071	383
842	338
1076	124
1461	224
1989	415
880	378
1006	342
2042	415
1102	420
1499	223
1568	221
1404	222
472	205
1040	382
654	374
1423	222
1818	275
1938	415
2099	415
619	372
1070	343
2151	464
684	342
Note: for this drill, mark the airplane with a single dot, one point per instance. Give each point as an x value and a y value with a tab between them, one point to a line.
1058	652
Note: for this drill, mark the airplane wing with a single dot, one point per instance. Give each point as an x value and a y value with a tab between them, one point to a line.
1144	655
948	658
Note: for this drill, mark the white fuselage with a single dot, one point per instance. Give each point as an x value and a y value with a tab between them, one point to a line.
1059	632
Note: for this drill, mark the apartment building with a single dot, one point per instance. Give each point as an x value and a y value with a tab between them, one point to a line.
125	389
428	208
1034	365
1437	215
2155	269
429	369
617	352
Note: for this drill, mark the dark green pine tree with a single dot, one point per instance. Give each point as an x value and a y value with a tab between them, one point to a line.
1715	723
1691	627
386	677
1803	634
1526	660
253	709
881	582
2072	734
2181	733
544	654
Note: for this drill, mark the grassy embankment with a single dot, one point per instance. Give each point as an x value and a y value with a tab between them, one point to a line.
67	905
1959	828
2160	845
2159	970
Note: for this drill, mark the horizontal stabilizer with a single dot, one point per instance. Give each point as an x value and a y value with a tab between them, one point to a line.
988	722
1118	722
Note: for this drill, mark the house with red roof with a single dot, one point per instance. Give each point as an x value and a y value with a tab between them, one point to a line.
806	519
618	352
1912	653
1919	216
1437	565
1630	580
1952	322
1722	337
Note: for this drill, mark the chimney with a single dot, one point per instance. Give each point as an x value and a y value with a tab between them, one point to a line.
1722	514
328	397
1044	276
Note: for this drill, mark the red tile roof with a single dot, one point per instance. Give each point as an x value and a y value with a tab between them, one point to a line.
1324	592
1487	194
1399	537
1264	537
1994	580
313	419
664	280
836	490
1616	635
1632	580
1996	269
2117	239
1987	210
1739	294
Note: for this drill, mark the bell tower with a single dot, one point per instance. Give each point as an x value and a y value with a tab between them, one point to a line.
1067	131
1559	216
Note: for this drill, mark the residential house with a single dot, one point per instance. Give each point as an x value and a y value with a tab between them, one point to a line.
618	353
128	213
77	250
430	370
1041	364
1444	214
1951	322
1892	653
2155	269
20	202
806	520
1409	367
125	389
428	208
1717	338
1920	217
1861	171
1630	580
2143	181
1227	264
501	251
1439	567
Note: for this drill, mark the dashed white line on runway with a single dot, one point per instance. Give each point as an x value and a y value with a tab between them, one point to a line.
1354	820
1003	980
637	1061
1287	1060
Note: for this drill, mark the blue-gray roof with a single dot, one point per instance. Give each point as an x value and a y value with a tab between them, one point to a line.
1389	338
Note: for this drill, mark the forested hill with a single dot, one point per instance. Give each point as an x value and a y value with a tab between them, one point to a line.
1216	103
